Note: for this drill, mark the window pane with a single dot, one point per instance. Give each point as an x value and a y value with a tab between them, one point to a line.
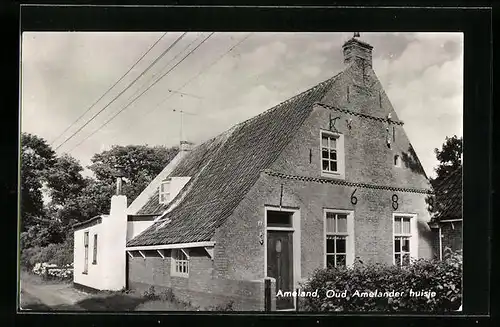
406	259
397	226
397	259
406	226
333	143
324	141
340	260
397	245
330	225
333	154
330	246
342	223
340	245
324	154
330	261
333	165
325	165
406	245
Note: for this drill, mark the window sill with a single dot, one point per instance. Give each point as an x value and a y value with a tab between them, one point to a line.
180	275
332	175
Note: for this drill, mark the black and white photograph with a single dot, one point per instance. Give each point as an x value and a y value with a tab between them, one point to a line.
241	171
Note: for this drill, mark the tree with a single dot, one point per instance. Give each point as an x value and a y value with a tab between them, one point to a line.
138	163
450	157
450	160
64	179
37	157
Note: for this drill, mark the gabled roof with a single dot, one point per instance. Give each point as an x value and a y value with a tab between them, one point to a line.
223	169
449	196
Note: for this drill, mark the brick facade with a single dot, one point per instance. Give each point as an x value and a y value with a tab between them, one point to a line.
452	235
201	288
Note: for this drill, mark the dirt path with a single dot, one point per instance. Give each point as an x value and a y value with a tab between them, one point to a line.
52	296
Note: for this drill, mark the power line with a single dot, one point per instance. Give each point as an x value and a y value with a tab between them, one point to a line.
116	97
109	120
162	69
203	70
105	93
199	74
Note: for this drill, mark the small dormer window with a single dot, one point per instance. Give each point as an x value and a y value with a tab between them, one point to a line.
397	161
165	192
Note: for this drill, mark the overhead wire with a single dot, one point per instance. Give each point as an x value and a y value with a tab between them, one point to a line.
128	86
201	72
131	102
112	86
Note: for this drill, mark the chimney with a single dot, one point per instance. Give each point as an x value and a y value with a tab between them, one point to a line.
356	50
185	146
119	179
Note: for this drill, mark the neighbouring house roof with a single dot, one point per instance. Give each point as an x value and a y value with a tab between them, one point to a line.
88	223
223	169
449	196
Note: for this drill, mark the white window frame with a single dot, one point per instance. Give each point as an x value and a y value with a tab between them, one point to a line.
339	149
349	235
412	236
176	263
165	194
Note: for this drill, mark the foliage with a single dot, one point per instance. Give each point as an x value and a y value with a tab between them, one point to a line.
138	163
450	159
442	277
229	306
42	234
59	254
64	179
36	158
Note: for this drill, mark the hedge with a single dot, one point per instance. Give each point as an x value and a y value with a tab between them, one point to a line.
348	289
60	254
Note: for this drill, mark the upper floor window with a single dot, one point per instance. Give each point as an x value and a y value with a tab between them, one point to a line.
165	192
397	161
332	154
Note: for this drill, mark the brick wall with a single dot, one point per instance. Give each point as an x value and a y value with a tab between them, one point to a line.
452	235
202	288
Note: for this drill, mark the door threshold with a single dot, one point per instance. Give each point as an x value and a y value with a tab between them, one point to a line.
284	310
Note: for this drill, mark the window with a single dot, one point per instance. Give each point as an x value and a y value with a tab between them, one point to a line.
332	154
402	239
180	262
86	248
329	160
336	239
165	192
397	161
94	258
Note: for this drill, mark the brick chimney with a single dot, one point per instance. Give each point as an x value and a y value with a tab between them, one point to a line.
356	50
185	146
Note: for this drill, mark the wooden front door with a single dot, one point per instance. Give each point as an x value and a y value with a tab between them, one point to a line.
280	265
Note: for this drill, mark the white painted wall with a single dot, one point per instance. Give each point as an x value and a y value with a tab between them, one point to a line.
109	273
134	228
92	278
141	200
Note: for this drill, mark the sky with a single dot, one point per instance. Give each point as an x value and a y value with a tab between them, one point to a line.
65	73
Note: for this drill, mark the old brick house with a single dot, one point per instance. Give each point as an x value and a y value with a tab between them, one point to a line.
321	179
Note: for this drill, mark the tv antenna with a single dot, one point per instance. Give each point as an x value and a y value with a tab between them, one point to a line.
182	112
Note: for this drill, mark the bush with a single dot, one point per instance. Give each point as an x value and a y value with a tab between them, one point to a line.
444	278
59	254
229	306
